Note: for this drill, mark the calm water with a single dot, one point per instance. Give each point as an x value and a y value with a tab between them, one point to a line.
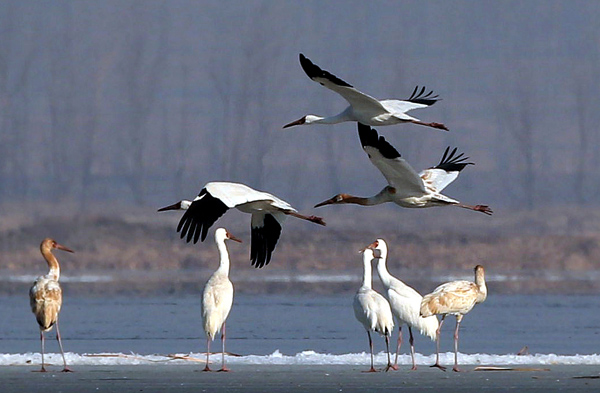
262	324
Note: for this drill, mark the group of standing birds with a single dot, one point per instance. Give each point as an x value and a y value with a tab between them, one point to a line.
406	188
376	313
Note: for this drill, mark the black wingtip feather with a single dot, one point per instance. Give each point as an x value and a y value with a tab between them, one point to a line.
263	241
314	71
369	137
419	98
200	216
451	162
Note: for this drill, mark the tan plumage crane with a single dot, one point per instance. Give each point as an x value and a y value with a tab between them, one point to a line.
455	298
45	297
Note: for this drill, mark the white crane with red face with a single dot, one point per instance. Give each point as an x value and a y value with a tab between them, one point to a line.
364	108
268	215
405	302
372	310
217	297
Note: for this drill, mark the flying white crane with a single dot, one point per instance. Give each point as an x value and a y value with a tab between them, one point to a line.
405	303
405	187
455	298
364	108
372	310
268	214
45	297
217	298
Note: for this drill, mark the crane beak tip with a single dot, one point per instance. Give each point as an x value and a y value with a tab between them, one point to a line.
61	247
175	206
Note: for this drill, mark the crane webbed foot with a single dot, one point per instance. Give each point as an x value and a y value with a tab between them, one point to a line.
317	220
439	126
484	209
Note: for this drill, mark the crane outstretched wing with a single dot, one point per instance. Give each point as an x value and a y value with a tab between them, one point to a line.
387	159
444	173
203	212
266	229
359	100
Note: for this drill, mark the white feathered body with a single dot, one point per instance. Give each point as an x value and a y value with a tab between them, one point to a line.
373	311
245	198
217	301
406	303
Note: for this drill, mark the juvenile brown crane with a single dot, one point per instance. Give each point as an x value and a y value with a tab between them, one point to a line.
456	298
45	297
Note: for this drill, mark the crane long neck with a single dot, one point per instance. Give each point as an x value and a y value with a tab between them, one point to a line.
480	282
367	276
52	264
224	264
378	199
384	275
339	118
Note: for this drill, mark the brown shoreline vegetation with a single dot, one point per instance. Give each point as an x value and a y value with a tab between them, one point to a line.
553	252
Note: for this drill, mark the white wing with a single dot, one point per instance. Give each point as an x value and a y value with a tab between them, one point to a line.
360	102
235	194
438	177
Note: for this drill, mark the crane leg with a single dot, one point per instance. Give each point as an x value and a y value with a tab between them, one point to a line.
315	219
372	369
387	347
433	125
43	369
411	341
206	368
458	320
399	344
437	342
65	369
478	208
223	367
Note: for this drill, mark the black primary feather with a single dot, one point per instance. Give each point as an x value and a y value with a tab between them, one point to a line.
452	162
200	216
314	71
263	241
369	137
419	98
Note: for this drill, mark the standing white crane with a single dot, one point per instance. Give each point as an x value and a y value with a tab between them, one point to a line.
372	310
268	215
364	108
455	298
45	297
405	302
405	187
217	298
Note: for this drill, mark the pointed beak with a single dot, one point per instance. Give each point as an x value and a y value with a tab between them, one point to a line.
327	202
61	247
296	123
231	237
175	206
372	246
